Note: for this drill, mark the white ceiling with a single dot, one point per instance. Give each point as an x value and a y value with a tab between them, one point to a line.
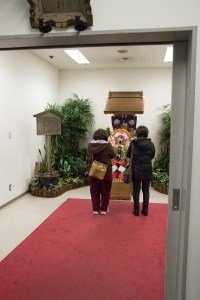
150	56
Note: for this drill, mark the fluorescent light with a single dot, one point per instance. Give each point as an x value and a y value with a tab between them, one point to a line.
77	56
169	54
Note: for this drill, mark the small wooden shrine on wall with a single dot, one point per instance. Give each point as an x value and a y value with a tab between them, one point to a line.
124	106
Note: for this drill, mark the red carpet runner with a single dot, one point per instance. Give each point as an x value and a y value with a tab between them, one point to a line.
74	255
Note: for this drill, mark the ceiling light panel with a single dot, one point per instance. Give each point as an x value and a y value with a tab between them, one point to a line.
77	56
169	54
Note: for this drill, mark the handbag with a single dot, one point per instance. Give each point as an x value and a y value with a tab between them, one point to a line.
128	171
98	170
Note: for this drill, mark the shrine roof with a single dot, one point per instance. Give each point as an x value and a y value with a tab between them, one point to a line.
128	103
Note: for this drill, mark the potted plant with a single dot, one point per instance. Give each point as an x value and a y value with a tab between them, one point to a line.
65	157
161	164
68	158
47	176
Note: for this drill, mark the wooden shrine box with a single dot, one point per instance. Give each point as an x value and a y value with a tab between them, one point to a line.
125	103
121	190
48	123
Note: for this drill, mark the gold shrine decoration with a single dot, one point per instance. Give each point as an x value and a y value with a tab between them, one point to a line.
60	13
125	103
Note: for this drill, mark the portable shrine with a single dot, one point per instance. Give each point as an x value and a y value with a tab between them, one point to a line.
123	106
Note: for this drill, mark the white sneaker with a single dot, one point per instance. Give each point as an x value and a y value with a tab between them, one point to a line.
95	212
103	212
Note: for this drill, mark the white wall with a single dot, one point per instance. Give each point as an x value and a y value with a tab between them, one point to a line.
114	15
27	83
111	15
95	85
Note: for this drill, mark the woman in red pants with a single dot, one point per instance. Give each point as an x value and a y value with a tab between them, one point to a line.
101	150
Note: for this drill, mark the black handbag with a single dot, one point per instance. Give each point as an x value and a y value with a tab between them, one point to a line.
128	171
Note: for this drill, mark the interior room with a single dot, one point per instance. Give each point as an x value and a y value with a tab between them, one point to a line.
35	264
31	81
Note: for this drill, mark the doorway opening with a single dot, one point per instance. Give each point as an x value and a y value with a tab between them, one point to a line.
182	45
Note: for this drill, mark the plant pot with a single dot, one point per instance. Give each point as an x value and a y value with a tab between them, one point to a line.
49	180
37	191
32	191
160	187
74	185
65	187
70	185
44	192
53	191
49	195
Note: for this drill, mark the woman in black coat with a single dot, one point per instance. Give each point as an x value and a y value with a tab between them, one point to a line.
143	153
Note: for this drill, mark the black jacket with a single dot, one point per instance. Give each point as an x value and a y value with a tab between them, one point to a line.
143	153
101	151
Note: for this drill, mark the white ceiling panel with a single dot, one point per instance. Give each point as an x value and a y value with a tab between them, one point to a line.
150	56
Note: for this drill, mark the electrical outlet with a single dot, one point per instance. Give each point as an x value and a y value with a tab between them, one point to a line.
10	187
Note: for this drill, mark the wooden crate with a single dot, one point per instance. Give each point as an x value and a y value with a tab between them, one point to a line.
121	191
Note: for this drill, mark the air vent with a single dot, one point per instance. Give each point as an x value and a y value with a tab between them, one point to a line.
122	51
127	59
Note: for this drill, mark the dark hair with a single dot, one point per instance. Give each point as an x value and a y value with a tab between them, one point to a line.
142	131
100	134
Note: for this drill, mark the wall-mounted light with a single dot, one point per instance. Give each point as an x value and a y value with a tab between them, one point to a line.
77	56
169	54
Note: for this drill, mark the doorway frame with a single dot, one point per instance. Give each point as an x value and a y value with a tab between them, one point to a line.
176	257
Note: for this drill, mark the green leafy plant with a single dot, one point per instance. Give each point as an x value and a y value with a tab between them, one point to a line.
161	163
34	182
165	118
108	131
74	180
66	156
43	160
161	176
76	117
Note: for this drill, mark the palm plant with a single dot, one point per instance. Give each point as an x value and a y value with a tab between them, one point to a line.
67	157
165	118
161	163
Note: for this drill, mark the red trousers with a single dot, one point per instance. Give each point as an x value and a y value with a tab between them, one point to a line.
100	192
